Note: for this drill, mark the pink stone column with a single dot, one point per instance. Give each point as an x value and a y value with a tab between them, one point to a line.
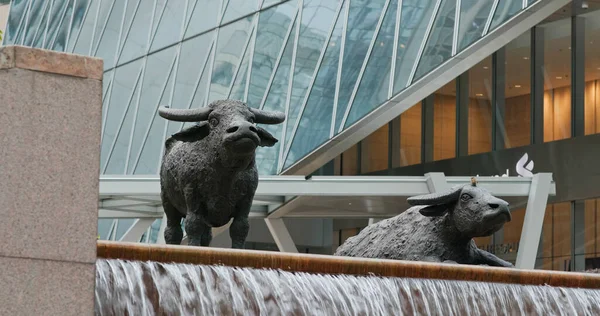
50	125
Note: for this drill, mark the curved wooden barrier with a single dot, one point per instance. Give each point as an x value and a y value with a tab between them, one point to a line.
323	264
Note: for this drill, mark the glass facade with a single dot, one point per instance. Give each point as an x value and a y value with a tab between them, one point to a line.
325	63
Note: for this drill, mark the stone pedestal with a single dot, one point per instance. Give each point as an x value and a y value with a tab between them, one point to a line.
50	125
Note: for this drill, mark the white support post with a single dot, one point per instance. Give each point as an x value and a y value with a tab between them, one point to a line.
534	220
281	235
161	231
135	232
436	182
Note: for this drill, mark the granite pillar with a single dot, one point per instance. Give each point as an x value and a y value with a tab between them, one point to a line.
50	121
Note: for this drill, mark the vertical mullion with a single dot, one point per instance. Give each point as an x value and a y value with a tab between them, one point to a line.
394	143
462	115
395	49
537	85
498	99
577	76
288	98
427	109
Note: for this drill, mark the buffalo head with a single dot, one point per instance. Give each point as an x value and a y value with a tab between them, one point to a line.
473	210
229	125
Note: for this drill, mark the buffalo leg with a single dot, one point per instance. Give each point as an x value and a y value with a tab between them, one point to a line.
199	234
173	231
238	231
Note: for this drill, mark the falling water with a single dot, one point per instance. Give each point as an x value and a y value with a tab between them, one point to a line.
152	288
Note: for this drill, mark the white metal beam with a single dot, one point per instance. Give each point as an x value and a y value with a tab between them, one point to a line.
281	235
534	220
135	232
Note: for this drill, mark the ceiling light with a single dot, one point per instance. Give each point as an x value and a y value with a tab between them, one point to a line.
479	95
332	44
485	67
517	86
558	77
525	57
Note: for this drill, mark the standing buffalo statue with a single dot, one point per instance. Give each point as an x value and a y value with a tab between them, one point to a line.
208	173
439	228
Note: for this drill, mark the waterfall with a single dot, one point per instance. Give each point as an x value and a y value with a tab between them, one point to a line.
153	288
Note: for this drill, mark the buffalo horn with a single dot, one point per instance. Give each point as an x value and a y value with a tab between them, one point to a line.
184	115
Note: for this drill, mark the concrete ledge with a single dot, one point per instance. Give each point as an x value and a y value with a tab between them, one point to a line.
323	264
51	62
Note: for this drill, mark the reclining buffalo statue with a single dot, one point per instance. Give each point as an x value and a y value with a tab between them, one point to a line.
208	173
439	228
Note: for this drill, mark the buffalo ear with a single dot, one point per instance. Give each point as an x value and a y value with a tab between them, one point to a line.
193	133
434	210
266	139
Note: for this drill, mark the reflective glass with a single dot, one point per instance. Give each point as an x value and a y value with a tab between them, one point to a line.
317	19
105	9
33	19
230	46
363	17
444	122
82	7
59	9
37	32
104	225
473	16
150	155
239	85
267	3
413	24
136	43
204	17
106	83
192	61
315	124
158	68
130	12
239	8
120	93
169	28
273	25
117	159
17	14
517	117
375	83
110	38
23	23
506	9
83	41
592	72
122	227
60	39
199	99
268	157
480	107
439	44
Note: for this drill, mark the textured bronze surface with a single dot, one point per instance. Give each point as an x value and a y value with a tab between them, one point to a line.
323	264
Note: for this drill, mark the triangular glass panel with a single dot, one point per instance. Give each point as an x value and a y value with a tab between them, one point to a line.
315	124
317	19
375	84
59	10
193	63
107	47
36	15
230	47
439	44
414	19
203	17
150	155
136	40
473	16
82	8
158	69
60	38
267	157
118	156
121	91
106	7
169	27
83	41
239	86
273	25
363	17
506	9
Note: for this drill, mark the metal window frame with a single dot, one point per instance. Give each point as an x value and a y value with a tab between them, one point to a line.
338	79
363	67
434	14
312	81
395	49
456	27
